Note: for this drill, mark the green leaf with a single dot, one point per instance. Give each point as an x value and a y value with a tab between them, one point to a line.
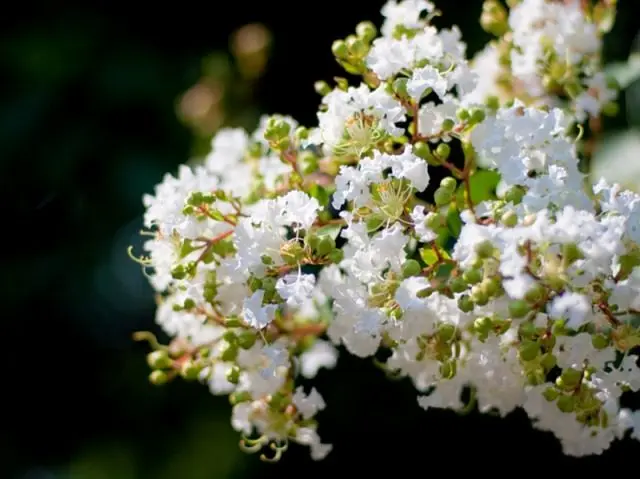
482	184
329	230
627	72
186	248
428	256
454	223
320	193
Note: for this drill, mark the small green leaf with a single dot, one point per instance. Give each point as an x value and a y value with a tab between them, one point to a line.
454	223
329	230
482	185
186	248
428	256
320	193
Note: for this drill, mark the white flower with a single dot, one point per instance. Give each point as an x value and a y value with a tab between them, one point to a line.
254	313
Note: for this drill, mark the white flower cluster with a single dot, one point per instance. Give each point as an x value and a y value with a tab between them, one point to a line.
549	52
514	280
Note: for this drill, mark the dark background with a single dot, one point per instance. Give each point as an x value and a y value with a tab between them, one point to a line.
88	124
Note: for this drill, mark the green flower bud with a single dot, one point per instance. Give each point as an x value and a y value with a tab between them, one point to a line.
442	197
159	359
301	133
551	394
366	30
435	221
483	325
472	276
509	219
492	102
443	151
479	296
339	49
477	115
529	351
448	124
458	285
599	341
449	183
462	114
411	268
189	370
491	286
514	195
518	308
566	404
484	249
422	150
535	293
465	304
158	377
571	377
322	87
357	47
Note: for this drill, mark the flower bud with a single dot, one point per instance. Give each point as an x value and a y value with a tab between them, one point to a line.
422	150
465	304
472	276
529	351
158	377
494	18
509	219
442	197
443	151
448	124
189	370
411	268
551	394
514	195
366	30
322	88
484	249
449	183
566	404
599	341
518	308
159	359
457	285
339	49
